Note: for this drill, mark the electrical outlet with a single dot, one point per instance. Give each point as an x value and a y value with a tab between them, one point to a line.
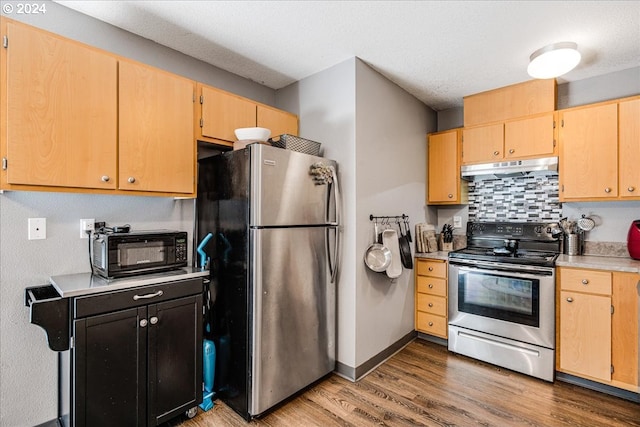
37	228
457	222
86	225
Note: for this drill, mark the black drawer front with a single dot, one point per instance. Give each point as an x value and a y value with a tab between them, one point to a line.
118	300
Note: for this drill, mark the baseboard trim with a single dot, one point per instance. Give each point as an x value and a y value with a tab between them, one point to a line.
355	374
431	338
603	388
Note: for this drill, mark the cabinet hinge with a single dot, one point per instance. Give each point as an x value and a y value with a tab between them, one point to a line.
611	309
4	163
562	123
554	143
5	41
554	124
612	369
201	122
201	99
72	342
563	188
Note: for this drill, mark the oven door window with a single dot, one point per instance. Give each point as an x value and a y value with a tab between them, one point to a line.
510	298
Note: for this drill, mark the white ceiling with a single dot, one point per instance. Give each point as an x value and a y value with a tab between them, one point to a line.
439	51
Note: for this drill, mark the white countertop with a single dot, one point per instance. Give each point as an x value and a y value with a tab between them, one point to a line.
599	262
72	285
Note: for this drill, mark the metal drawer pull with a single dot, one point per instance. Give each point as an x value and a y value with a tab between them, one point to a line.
631	189
450	196
131	180
153	320
105	178
569	299
430	304
430	285
495	153
430	323
430	268
143	323
607	190
511	151
147	296
585	282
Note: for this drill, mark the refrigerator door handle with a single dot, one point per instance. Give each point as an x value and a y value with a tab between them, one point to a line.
338	206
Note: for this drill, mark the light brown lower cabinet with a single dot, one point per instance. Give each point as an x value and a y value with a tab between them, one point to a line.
431	297
598	326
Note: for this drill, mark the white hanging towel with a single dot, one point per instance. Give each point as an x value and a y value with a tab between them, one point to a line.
390	240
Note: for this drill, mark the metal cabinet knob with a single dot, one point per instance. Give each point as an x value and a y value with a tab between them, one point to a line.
430	304
450	196
585	281
430	323
569	299
430	285
430	268
143	323
631	189
153	320
607	190
131	180
105	178
511	151
495	153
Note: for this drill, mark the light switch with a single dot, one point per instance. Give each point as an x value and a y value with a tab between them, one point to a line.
37	228
457	222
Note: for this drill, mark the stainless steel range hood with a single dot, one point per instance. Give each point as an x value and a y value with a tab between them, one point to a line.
509	168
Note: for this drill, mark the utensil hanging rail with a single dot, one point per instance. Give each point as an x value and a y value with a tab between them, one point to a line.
397	218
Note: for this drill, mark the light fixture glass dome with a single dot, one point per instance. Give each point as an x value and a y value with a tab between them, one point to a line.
553	60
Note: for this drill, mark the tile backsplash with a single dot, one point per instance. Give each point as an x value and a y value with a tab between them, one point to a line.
533	197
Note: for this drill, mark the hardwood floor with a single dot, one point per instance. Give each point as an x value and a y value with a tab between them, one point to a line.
425	385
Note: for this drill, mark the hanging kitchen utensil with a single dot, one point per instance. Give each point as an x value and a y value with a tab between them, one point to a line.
377	257
390	240
586	224
405	249
408	227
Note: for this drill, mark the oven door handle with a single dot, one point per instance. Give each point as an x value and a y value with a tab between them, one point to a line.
509	270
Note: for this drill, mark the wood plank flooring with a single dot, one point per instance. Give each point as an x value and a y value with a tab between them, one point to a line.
425	385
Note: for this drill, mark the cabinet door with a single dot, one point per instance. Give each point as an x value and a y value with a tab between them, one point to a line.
61	112
109	362
629	112
175	357
589	153
223	113
585	335
443	168
157	148
280	122
483	144
624	329
529	137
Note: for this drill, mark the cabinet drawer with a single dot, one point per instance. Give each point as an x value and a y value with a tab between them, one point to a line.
431	285
431	268
431	304
431	324
119	300
591	281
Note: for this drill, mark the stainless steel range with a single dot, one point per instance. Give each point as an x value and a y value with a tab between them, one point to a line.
502	295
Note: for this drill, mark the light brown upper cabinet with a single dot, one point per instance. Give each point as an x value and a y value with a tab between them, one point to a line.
510	140
220	113
280	122
157	149
60	119
443	169
600	151
629	145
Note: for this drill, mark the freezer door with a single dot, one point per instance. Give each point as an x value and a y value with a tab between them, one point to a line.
293	325
283	192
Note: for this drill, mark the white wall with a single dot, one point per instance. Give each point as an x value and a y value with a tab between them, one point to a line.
28	368
377	133
391	129
326	105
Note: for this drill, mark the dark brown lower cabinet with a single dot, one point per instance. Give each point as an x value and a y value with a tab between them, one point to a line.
138	366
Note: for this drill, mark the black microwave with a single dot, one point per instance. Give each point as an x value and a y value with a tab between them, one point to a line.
127	254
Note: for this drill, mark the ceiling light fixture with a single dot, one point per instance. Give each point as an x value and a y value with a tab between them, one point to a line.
553	60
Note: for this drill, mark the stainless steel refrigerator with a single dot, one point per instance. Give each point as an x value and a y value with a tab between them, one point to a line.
274	216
